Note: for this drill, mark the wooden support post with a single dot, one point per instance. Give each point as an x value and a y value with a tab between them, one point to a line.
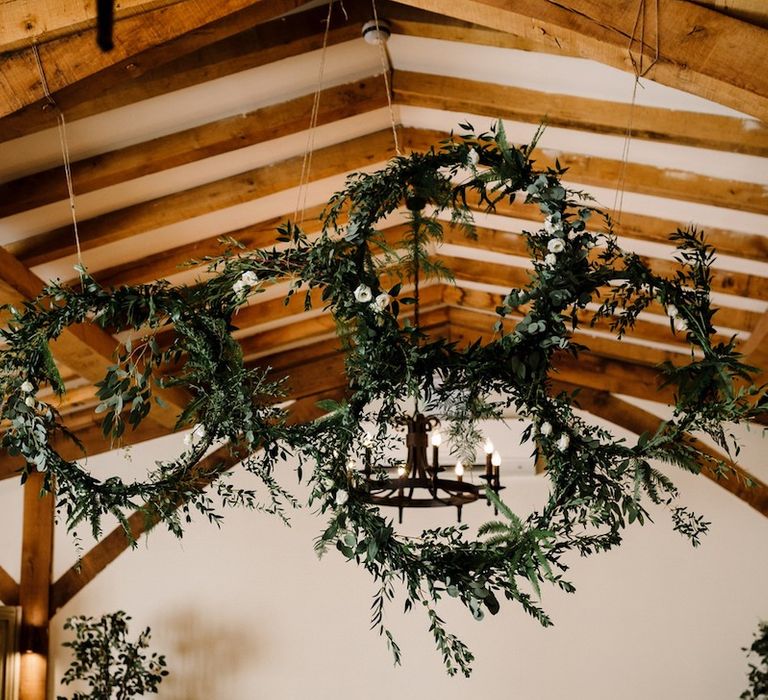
34	590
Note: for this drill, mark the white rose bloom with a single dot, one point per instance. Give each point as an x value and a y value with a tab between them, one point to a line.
550	259
363	294
327	483
550	225
27	387
238	287
573	235
546	428
381	302
473	158
30	401
341	497
249	278
563	442
681	324
672	311
556	245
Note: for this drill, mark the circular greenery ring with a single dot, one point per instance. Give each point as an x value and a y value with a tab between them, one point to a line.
578	277
179	343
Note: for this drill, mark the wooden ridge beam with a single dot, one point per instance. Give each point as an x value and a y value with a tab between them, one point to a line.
636	420
227	192
700	51
72	581
585	114
190	145
9	589
141	41
644	179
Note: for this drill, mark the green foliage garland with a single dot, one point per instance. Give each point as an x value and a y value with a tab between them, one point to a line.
599	483
228	403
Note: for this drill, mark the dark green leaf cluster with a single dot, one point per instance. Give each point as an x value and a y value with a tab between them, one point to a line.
113	667
758	671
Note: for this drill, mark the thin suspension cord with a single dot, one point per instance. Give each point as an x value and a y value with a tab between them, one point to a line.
640	71
306	165
386	67
64	144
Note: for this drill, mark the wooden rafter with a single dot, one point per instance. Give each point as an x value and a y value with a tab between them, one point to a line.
585	114
141	41
700	51
739	482
24	21
191	145
9	589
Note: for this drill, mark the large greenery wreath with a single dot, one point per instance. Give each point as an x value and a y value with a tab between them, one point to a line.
370	285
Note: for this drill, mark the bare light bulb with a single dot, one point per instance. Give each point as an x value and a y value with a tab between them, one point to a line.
437	439
401	470
488	447
496	459
459	469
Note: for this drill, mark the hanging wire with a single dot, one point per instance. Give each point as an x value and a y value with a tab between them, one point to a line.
386	67
640	70
64	143
306	165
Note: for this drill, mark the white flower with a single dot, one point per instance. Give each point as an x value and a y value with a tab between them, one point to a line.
363	294
681	324
573	235
550	225
27	387
193	437
341	497
327	483
550	259
556	245
250	278
672	311
381	302
546	428
473	158
562	442
30	401
247	280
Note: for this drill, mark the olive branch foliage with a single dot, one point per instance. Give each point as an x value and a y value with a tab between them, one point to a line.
599	484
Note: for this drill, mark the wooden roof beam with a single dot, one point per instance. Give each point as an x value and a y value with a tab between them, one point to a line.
72	581
9	589
190	145
613	409
700	51
570	112
141	41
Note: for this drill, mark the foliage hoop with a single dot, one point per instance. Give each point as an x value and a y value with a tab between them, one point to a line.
179	341
597	481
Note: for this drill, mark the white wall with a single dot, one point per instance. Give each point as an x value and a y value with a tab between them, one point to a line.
249	612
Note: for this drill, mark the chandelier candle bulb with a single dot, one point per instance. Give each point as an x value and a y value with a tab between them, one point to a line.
459	471
436	440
